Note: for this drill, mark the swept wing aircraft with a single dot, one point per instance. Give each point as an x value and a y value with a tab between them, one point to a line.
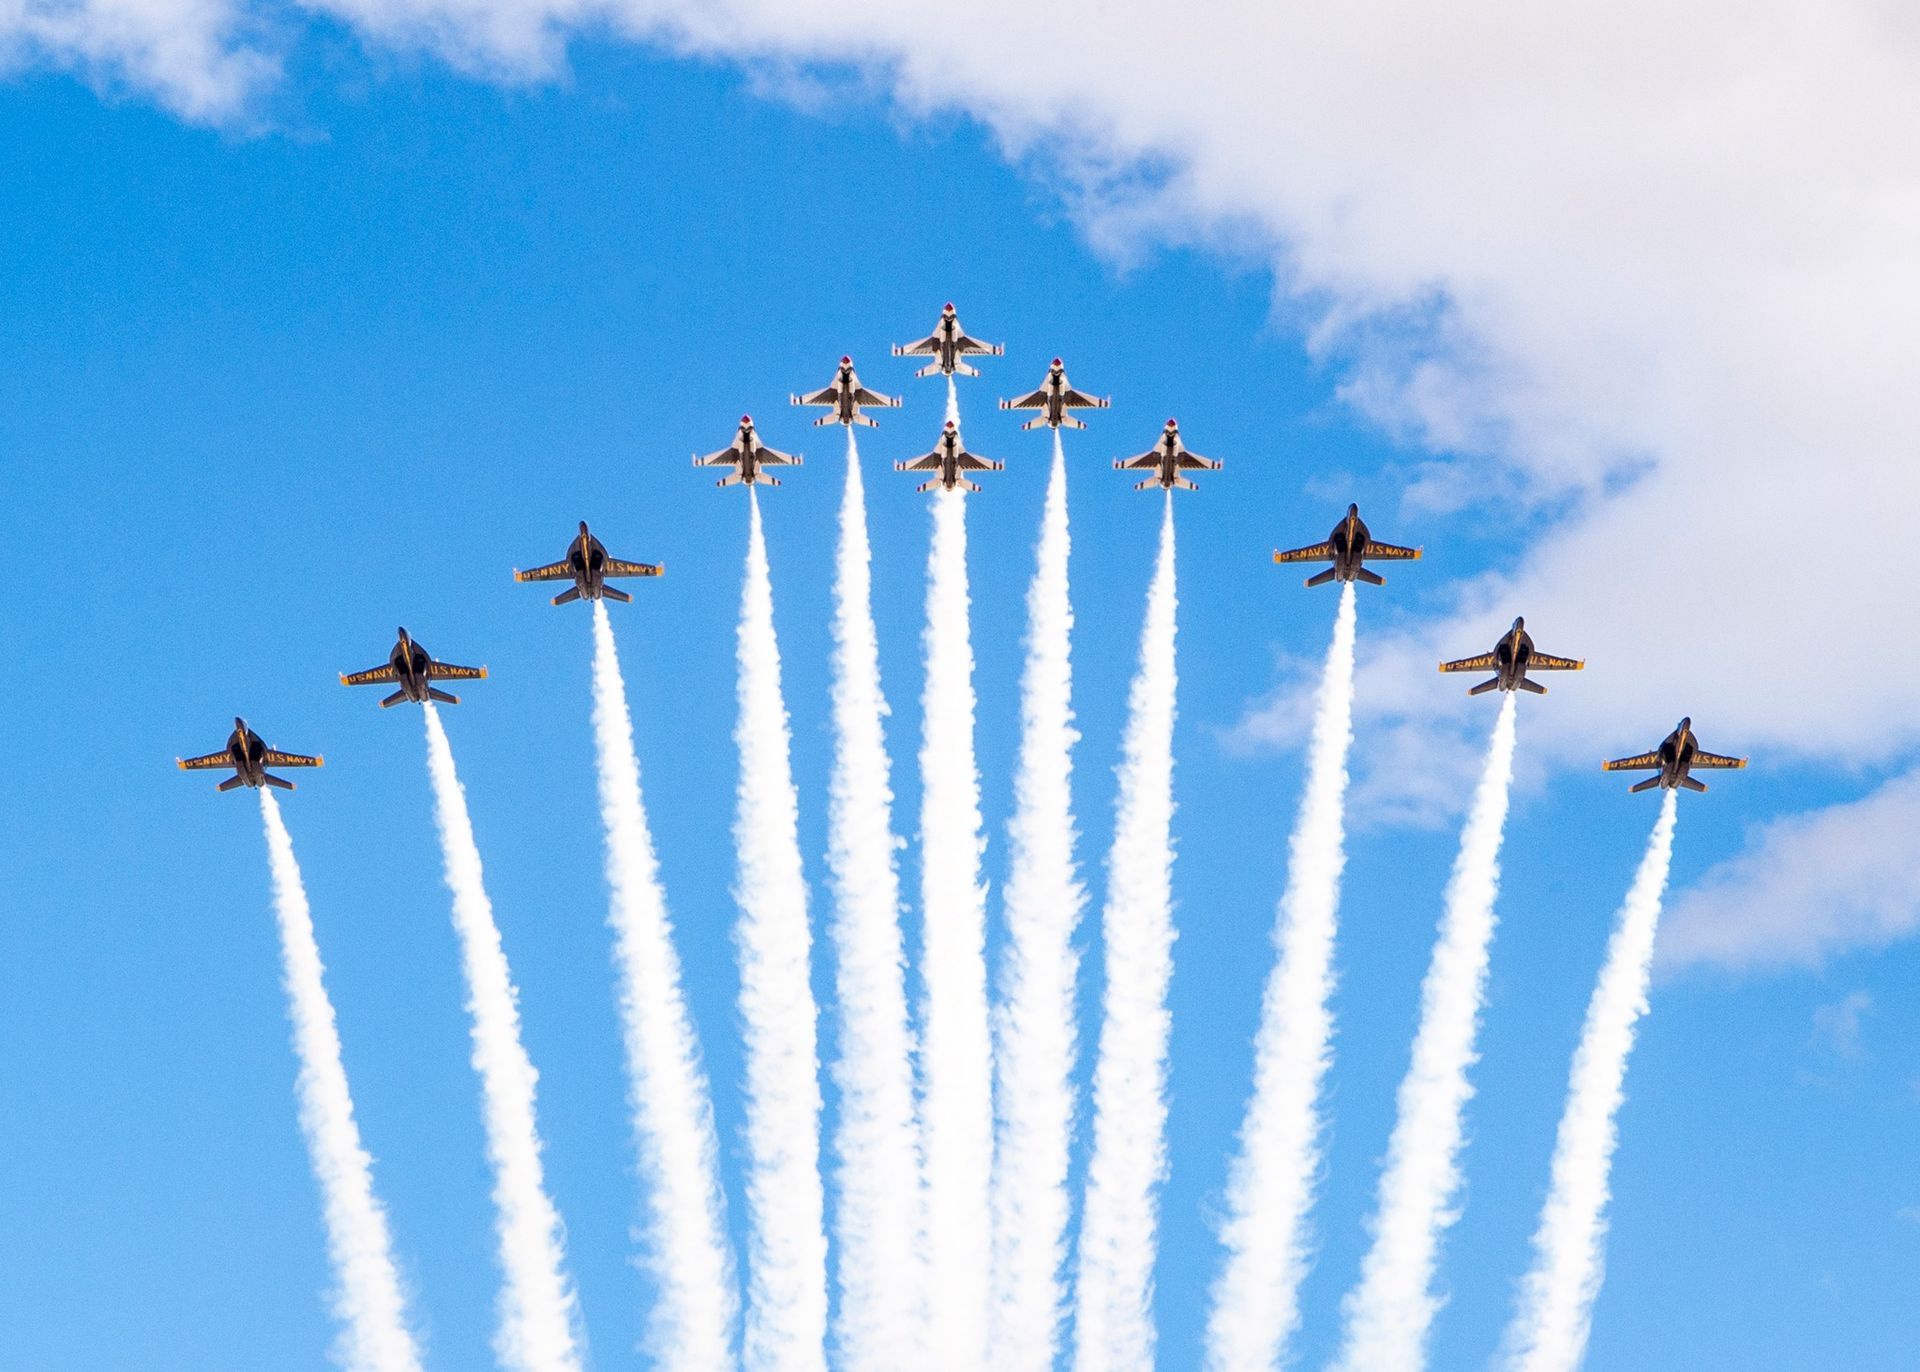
1347	548
1510	661
249	757
946	345
414	670
588	567
1054	399
1679	752
747	455
949	458
845	396
1167	459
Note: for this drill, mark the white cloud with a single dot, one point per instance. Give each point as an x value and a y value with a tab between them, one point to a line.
1806	887
1650	264
1836	1027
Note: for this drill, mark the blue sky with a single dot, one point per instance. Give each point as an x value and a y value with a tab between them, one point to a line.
267	395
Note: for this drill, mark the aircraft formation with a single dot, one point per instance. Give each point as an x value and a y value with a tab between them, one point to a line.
588	565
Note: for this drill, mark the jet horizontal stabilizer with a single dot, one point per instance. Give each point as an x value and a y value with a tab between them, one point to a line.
1371	578
1484	687
1322	578
435	693
1533	686
614	593
393	700
1646	785
1693	785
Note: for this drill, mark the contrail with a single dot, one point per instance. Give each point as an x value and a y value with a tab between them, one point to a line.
1390	1313
690	1327
787	1247
537	1311
956	1048
1256	1297
878	1160
1549	1330
1035	1022
1113	1324
367	1300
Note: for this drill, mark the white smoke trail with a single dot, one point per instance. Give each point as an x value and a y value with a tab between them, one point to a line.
690	1327
1035	1024
953	401
537	1311
1256	1297
1390	1313
787	1249
877	1152
367	1300
1549	1330
1113	1324
956	1047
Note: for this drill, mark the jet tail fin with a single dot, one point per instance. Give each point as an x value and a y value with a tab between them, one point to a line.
230	783
1646	785
434	693
615	593
1371	578
393	700
1534	686
1693	785
281	782
568	596
1489	684
1322	578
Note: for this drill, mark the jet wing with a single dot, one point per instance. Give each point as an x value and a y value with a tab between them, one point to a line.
1645	762
1150	458
1392	552
863	396
726	457
1485	662
773	457
616	567
553	571
1075	400
1194	462
828	396
925	347
929	463
383	675
223	758
1036	401
1716	760
973	347
967	462
1318	552
276	758
1547	662
447	671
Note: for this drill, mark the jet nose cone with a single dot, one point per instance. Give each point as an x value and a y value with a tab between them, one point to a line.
947	308
845	361
402	631
1519	623
746	420
952	427
1686	724
1353	510
1057	363
239	724
583	528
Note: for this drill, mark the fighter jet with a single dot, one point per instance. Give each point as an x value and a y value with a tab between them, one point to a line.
747	455
588	567
1677	754
249	757
1347	547
1054	398
1167	459
949	458
414	669
1510	661
844	396
946	345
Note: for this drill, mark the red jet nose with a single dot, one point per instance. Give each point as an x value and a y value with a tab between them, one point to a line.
846	361
1173	423
948	307
746	419
1056	361
951	426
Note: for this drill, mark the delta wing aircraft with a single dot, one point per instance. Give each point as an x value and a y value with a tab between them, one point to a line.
1347	548
414	670
946	345
1167	459
747	455
249	756
949	458
845	396
588	567
1054	399
1510	661
1679	752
